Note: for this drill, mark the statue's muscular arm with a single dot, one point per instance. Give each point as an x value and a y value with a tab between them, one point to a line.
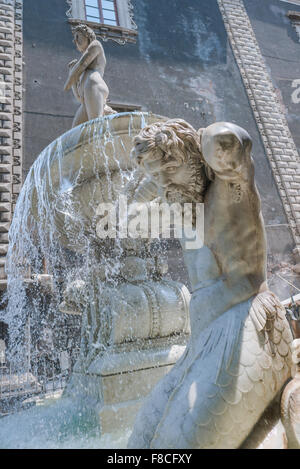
234	228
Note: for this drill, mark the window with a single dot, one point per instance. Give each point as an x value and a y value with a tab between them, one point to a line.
101	11
295	19
110	19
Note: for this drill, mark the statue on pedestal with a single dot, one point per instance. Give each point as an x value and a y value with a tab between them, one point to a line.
86	77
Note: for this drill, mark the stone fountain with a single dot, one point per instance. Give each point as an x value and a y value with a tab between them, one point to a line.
135	321
139	363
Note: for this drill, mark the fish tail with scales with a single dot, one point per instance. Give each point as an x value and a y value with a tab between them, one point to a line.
217	392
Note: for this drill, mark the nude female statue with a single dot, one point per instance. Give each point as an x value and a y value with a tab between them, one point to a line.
86	76
238	356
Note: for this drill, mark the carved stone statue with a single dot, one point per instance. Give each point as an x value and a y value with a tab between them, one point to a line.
238	356
86	76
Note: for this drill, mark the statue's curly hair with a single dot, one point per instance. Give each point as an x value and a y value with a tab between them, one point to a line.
86	31
160	138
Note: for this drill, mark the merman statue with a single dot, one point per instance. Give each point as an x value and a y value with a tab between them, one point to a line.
238	356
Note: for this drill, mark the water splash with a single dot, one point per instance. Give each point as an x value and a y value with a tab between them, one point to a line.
53	233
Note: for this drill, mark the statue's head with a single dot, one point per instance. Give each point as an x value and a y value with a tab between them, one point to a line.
83	36
170	154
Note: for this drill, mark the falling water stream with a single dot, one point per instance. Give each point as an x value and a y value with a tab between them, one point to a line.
53	233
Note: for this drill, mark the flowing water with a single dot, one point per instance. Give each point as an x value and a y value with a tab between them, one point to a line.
53	233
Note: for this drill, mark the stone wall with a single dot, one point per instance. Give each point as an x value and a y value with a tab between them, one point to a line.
278	54
10	118
267	108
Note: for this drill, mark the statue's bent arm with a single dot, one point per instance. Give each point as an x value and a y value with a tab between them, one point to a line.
226	149
83	63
